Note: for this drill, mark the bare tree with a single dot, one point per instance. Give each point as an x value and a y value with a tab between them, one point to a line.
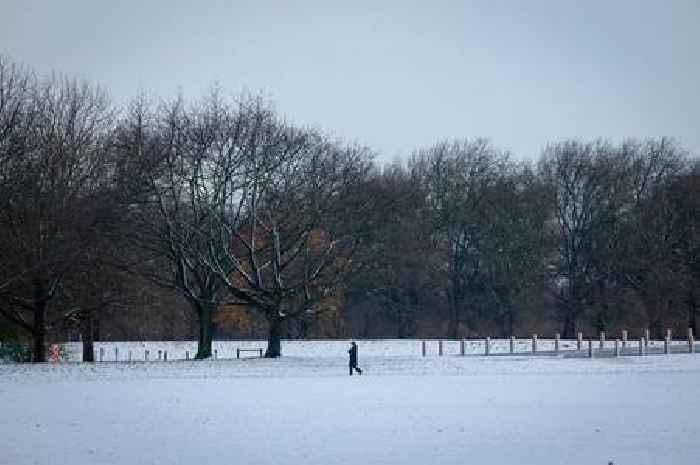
285	232
458	177
651	261
512	246
398	268
167	161
50	211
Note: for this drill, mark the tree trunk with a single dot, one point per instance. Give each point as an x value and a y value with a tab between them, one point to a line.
569	327
510	321
87	332
453	303
39	324
204	314
692	314
39	334
453	315
274	337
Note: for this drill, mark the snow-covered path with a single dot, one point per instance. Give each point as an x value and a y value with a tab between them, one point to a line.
306	410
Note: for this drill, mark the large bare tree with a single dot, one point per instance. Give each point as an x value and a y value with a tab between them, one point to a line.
286	228
53	160
167	160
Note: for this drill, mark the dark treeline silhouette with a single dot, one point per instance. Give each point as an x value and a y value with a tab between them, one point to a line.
220	218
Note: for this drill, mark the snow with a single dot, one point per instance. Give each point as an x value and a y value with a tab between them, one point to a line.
304	409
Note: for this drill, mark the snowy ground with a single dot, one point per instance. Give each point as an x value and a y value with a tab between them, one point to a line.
304	409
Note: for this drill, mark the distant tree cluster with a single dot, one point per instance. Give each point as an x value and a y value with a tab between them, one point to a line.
220	218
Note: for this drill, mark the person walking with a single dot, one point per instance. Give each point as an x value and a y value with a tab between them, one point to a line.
353	359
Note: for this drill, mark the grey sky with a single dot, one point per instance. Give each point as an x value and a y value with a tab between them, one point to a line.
395	75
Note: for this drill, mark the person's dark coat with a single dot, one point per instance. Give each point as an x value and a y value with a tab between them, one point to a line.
353	355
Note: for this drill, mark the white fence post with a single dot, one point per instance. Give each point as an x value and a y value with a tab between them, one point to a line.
690	340
556	343
512	344
487	349
617	347
423	351
647	336
602	339
624	338
579	341
534	343
440	347
667	344
642	345
668	334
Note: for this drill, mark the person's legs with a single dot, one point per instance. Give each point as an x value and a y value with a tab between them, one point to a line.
350	369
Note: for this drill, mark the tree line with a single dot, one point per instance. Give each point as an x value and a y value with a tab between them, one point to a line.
222	218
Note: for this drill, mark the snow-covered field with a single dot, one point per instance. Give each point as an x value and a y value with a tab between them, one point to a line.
305	409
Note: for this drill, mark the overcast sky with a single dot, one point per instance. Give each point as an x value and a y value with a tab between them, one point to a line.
395	75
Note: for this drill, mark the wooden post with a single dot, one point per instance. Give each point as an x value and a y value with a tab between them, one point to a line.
602	339
487	348
187	355
617	347
216	354
160	355
579	341
145	355
534	343
102	354
647	335
423	351
260	353
116	354
556	343
642	346
238	352
461	346
590	348
691	341
624	338
440	347
165	355
512	344
667	344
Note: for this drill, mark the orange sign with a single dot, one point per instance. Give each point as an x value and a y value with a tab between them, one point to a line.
55	352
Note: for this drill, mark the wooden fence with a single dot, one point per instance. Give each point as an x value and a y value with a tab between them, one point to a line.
616	347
